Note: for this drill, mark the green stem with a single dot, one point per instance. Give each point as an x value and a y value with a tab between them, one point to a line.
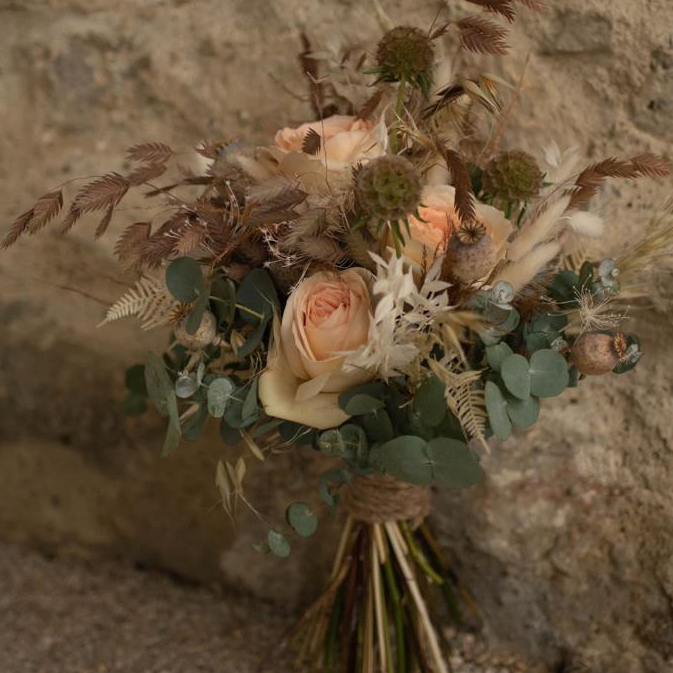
399	617
399	109
245	309
419	557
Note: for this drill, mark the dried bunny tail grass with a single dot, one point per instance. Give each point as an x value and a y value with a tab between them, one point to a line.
589	225
522	272
538	229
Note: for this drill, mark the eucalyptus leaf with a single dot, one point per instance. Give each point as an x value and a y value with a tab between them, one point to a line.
523	413
257	293
548	373
186	385
173	431
515	374
134	380
496	354
278	544
336	476
219	393
223	300
363	399
184	279
134	404
251	403
405	458
378	426
453	464
158	382
195	316
430	403
303	520
496	406
238	414
193	425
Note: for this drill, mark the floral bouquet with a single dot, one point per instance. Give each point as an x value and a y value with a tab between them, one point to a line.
384	285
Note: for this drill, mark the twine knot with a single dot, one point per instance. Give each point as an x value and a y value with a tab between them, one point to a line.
377	498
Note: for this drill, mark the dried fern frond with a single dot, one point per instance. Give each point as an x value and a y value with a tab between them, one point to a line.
150	153
191	239
105	222
148	301
482	36
369	106
18	228
102	193
464	397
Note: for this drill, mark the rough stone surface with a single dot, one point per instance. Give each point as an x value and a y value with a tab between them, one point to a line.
568	546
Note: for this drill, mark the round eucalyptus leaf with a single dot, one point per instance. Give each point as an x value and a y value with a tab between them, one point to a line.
257	294
496	406
278	543
548	373
523	413
430	403
184	279
515	374
219	393
303	520
360	404
454	465
405	457
496	354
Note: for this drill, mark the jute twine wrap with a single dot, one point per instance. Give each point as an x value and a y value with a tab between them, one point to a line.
377	498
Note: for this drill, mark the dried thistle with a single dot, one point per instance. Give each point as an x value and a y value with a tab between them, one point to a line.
406	54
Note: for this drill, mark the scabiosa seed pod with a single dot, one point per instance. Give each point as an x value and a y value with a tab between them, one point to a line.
388	188
203	336
406	54
470	254
512	176
595	354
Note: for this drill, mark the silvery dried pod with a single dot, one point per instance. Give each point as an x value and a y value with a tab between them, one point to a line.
203	336
471	253
186	385
502	294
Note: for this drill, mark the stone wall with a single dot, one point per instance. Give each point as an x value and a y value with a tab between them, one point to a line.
568	546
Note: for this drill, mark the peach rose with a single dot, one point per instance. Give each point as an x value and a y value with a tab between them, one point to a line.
429	237
345	140
326	315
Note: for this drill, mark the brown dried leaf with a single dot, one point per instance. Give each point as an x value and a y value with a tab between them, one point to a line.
17	229
446	96
502	7
144	174
46	209
537	5
311	143
129	245
105	222
370	105
209	149
465	205
191	239
102	193
150	153
651	165
482	36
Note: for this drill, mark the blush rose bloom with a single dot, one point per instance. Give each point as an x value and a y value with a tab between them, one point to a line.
429	237
345	140
326	315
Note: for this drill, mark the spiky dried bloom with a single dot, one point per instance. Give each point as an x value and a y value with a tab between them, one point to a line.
388	188
513	177
406	54
471	233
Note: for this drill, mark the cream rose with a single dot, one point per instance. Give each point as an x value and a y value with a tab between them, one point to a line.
345	140
326	315
429	237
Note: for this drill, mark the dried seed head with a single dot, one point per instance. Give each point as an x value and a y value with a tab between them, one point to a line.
595	354
513	176
471	233
203	336
388	187
406	54
179	312
469	257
